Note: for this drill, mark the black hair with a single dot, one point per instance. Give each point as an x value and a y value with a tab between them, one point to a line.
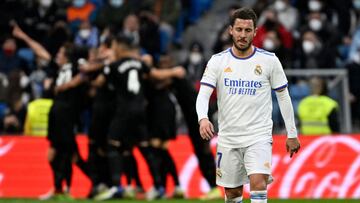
124	40
69	50
244	13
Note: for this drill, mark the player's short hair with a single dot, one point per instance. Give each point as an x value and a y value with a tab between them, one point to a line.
69	50
124	40
245	14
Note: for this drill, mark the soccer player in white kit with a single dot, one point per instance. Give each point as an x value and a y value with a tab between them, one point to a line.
244	77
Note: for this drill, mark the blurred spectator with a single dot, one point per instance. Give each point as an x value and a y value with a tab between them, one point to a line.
9	57
273	43
318	23
87	36
318	113
10	10
342	15
287	14
79	11
36	121
195	62
4	86
354	77
354	46
271	22
58	35
337	12
17	101
311	53
168	13
40	17
343	51
223	38
131	29
149	34
113	13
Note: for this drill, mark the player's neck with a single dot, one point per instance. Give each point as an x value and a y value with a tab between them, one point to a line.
242	53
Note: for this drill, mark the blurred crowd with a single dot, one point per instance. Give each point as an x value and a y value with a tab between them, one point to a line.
153	25
304	34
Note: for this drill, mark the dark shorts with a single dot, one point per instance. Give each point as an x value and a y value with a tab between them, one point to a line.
102	115
61	125
161	119
128	126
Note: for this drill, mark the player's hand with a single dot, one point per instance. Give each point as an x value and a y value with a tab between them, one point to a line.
18	32
206	129
292	145
84	67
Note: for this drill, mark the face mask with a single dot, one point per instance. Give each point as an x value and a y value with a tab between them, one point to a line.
84	33
314	5
46	3
308	46
269	45
9	52
24	81
116	3
315	24
79	3
195	57
356	4
279	5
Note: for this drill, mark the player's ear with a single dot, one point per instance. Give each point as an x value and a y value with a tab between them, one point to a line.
230	30
256	29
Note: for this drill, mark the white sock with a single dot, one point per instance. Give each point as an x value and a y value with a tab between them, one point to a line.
258	196
234	200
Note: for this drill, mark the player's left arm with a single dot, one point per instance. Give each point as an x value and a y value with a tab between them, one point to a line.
287	112
279	84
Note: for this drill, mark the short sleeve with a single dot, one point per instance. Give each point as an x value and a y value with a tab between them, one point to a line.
209	77
278	78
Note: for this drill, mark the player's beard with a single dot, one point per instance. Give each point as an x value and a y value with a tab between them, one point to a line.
244	49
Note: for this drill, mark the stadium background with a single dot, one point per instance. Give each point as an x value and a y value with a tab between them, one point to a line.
327	167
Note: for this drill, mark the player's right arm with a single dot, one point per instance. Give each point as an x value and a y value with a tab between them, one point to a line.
208	84
38	49
202	106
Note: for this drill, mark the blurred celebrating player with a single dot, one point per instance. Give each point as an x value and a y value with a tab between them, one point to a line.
128	126
244	76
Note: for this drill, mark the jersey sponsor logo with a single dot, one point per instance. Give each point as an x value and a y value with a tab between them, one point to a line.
228	70
242	87
258	70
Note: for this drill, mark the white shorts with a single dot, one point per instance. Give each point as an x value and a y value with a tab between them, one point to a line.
233	166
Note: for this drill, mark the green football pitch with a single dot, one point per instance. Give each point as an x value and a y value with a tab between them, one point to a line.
175	201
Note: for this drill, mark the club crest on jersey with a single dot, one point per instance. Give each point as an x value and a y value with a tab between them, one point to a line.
258	70
228	70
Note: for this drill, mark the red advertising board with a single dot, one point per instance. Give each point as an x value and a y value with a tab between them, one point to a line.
325	167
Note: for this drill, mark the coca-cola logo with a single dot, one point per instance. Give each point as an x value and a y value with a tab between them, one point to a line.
4	149
327	167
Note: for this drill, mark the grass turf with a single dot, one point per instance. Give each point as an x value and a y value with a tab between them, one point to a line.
179	201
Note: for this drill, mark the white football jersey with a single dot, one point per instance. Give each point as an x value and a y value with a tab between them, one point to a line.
243	88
